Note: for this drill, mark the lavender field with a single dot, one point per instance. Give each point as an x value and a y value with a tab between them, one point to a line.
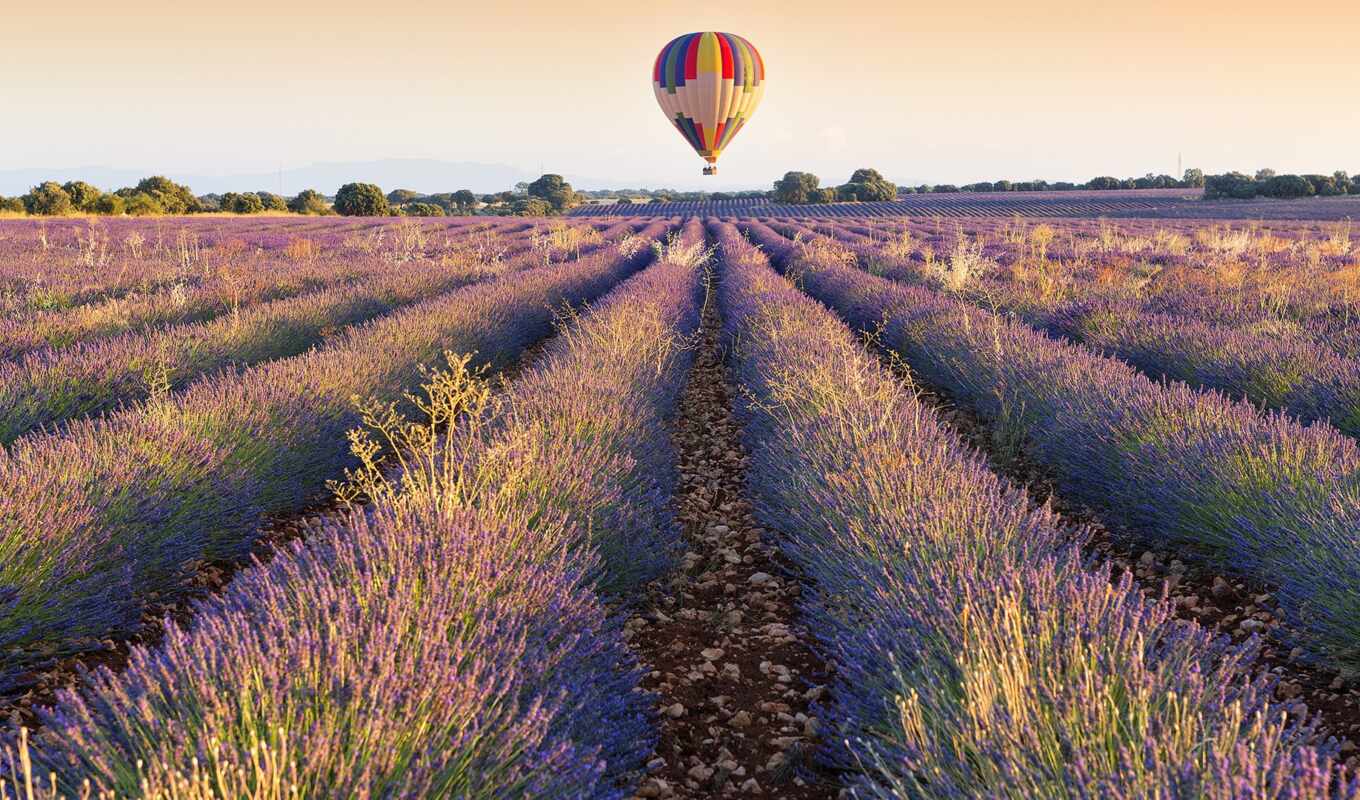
1053	500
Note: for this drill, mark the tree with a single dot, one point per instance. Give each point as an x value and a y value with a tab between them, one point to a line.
11	205
1343	180
1288	187
272	202
83	195
1231	184
826	194
141	204
398	197
48	199
465	201
531	207
1265	174
1325	185
241	203
554	190
422	210
172	197
867	185
110	204
1103	182
944	188
309	201
361	200
1193	178
795	187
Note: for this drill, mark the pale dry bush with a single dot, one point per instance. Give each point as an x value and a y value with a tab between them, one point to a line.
560	239
630	245
270	775
823	250
408	242
674	251
300	249
901	246
1170	242
367	242
132	244
964	265
1040	237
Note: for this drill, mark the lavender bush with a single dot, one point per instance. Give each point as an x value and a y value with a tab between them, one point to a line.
1247	493
445	640
111	511
976	656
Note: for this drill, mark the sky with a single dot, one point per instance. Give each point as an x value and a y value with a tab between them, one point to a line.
930	92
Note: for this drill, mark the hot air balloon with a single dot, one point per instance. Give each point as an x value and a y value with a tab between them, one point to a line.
708	84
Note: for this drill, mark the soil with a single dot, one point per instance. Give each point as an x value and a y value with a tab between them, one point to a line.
734	678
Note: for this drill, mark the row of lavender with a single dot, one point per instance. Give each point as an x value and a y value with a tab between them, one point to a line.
448	639
1254	495
1298	274
227	283
976	654
1303	369
63	264
56	385
115	514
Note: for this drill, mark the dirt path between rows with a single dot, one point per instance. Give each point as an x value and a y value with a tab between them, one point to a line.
729	662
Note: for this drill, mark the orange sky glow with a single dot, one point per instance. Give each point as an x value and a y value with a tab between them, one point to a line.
933	92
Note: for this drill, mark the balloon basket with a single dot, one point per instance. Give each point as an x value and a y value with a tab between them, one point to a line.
711	169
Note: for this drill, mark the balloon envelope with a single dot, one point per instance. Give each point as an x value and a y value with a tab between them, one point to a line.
708	84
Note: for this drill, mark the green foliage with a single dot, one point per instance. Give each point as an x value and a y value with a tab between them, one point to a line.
867	185
141	204
83	195
1193	178
464	201
11	205
272	202
531	207
48	199
422	210
398	197
796	188
361	200
309	201
110	204
1231	184
553	190
1103	182
1326	185
241	203
1288	186
172	197
826	194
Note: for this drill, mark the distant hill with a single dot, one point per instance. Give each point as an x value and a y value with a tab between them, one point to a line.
422	175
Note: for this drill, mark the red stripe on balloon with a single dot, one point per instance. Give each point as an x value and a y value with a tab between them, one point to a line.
725	45
692	57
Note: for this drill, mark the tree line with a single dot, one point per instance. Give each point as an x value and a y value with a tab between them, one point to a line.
548	195
1266	183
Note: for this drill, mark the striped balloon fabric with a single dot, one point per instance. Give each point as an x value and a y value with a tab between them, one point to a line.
708	84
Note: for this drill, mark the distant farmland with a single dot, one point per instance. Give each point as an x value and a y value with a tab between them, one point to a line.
1150	203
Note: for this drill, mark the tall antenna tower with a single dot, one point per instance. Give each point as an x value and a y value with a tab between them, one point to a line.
1179	166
